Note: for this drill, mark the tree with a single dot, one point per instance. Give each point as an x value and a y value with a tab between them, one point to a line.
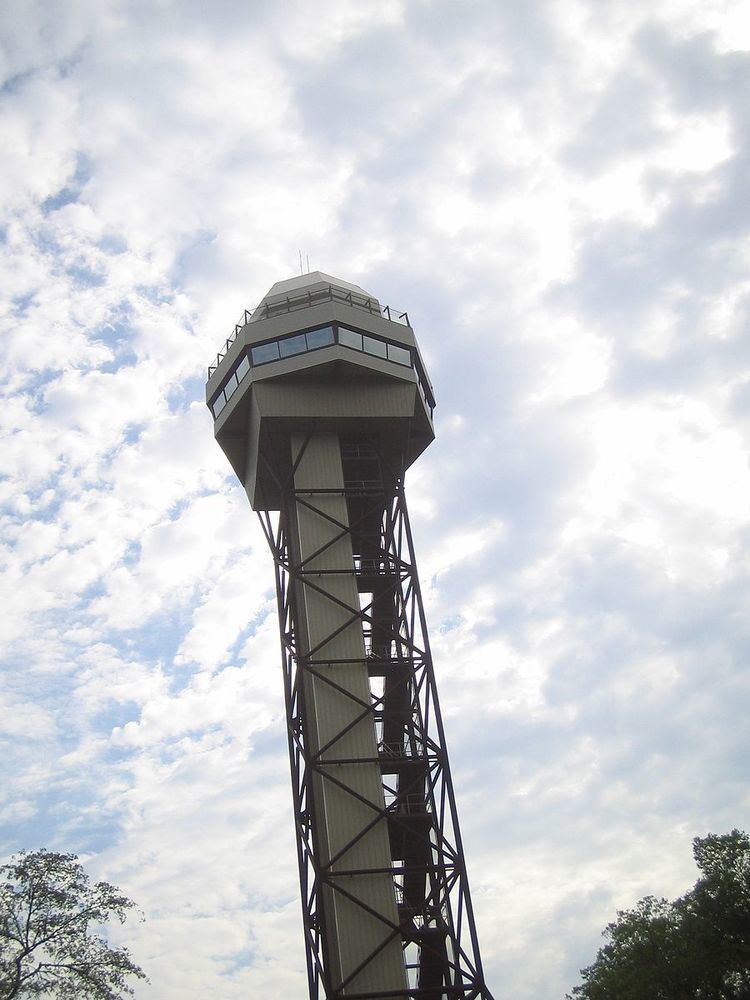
51	924
696	947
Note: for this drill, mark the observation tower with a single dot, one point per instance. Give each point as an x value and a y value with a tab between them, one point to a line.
321	402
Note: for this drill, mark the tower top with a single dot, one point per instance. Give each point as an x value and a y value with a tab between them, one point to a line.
318	352
312	282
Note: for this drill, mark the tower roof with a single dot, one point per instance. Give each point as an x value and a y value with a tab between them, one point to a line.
311	282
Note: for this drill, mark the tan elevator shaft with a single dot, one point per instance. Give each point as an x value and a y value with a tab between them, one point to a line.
335	644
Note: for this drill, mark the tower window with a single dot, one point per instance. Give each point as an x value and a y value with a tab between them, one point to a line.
319	338
399	354
350	339
310	340
266	352
243	368
375	347
292	345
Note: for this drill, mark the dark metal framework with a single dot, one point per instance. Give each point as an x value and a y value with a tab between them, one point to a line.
436	923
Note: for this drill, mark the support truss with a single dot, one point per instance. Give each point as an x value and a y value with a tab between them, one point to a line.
435	923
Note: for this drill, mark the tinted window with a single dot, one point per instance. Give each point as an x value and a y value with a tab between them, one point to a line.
292	345
376	347
219	404
399	354
266	352
319	338
350	339
243	368
230	386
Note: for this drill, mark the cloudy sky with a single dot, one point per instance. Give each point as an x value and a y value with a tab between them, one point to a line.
558	192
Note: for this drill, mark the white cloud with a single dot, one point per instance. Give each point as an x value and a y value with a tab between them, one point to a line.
556	193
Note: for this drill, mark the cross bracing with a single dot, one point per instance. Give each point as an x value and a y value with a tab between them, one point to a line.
364	515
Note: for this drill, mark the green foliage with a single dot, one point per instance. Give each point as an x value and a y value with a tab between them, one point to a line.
51	923
694	948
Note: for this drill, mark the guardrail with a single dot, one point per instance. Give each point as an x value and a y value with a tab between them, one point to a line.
303	301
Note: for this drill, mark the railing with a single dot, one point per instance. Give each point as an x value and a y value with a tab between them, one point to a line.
303	301
402	751
363	487
373	567
411	804
243	321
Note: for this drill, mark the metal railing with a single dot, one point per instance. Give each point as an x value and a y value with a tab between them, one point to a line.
405	751
303	301
373	567
243	321
410	804
363	487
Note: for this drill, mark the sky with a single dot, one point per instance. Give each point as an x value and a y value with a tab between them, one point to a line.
558	192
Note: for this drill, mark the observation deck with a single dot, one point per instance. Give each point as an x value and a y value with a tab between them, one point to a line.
318	349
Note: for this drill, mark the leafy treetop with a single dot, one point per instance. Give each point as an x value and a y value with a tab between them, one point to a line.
696	947
51	931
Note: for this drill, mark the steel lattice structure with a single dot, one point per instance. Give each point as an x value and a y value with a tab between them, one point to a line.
382	873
